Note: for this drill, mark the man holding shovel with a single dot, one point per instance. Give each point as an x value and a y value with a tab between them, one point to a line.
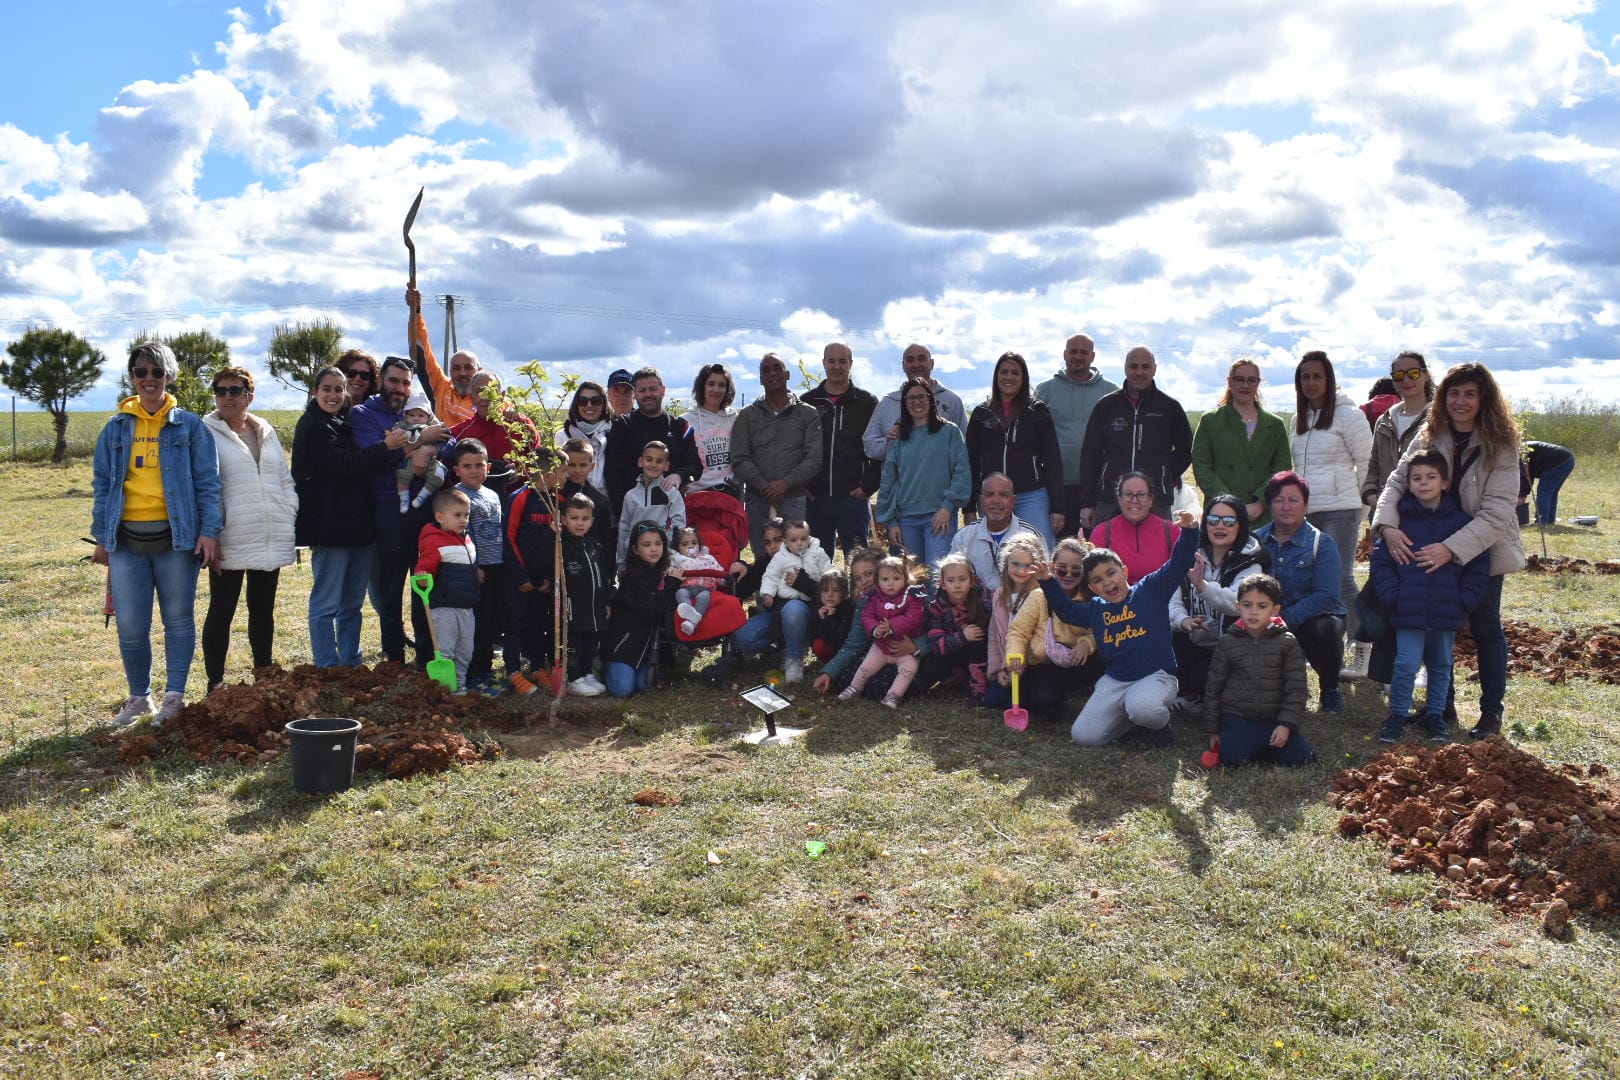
454	400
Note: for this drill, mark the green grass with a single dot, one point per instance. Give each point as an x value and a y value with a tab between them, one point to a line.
988	904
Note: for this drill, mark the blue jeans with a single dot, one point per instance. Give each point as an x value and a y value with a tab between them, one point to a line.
133	579
339	577
787	624
917	534
1244	740
1547	491
624	680
1035	508
1416	647
839	521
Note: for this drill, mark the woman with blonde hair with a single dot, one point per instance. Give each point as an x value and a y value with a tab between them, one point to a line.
1239	445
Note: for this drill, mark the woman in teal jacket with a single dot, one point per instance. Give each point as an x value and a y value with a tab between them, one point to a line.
926	476
1239	445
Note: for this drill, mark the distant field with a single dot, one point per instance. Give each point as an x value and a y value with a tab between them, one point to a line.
35	436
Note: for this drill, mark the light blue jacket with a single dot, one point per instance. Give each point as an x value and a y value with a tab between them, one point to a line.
927	472
1307	565
190	478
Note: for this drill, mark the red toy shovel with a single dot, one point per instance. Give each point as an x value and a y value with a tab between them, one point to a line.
1016	718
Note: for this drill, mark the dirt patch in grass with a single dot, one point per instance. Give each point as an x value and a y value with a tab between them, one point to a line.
1553	655
1558	564
410	723
1495	822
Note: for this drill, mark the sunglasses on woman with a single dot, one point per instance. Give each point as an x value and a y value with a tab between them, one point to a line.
229	391
141	372
1227	520
1407	373
591	400
360	373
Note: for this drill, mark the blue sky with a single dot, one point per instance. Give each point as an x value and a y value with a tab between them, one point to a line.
677	182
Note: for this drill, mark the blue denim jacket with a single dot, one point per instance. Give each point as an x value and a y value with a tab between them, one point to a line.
1308	567
190	478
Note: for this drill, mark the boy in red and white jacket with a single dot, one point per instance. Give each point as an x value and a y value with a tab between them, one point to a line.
444	551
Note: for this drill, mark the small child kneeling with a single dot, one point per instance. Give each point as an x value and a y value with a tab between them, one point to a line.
1256	692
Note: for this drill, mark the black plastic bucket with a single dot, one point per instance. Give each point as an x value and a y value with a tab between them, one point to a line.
322	753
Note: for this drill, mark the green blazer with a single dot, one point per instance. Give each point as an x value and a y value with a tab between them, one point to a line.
1225	458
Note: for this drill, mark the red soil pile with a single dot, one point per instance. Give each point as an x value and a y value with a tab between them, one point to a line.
410	724
1557	564
1497	823
1554	655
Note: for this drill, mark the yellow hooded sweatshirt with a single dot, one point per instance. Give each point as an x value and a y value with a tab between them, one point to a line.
143	480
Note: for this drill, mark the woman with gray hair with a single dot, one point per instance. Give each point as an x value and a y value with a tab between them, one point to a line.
156	520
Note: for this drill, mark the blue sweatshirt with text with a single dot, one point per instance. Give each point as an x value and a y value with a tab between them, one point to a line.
1133	636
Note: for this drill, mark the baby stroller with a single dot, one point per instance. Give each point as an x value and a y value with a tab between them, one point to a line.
719	519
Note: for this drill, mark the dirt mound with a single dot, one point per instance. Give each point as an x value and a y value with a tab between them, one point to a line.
1554	655
1558	564
1497	823
410	723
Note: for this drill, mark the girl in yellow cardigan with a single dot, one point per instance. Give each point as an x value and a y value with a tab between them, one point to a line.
1049	671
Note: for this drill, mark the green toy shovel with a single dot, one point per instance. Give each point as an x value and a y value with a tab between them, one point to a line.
441	669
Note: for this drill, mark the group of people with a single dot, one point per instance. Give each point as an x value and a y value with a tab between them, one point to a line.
1043	541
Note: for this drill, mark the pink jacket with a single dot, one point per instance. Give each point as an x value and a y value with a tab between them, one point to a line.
905	613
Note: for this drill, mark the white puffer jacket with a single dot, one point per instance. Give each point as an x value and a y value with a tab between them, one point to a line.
1334	460
257	499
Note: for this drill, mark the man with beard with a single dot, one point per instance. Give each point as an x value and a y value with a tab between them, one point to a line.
453	397
397	533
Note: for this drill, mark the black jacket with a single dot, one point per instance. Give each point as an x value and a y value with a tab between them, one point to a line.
626	438
331	475
1026	450
641	607
1151	434
588	588
601	522
844	464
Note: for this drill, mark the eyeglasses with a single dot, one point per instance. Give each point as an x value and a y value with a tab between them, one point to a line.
230	391
359	373
141	372
593	400
1228	520
1409	373
1243	380
1066	571
1135	496
917	399
1020	567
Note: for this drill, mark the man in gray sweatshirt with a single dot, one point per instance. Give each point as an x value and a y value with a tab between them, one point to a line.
1071	394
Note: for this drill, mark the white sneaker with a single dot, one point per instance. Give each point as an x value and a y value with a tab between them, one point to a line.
1186	704
848	693
688	613
793	671
585	686
134	708
1360	660
173	702
688	627
601	687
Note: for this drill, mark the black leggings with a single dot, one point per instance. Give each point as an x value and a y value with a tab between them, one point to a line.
1044	688
224	589
1322	639
1192	664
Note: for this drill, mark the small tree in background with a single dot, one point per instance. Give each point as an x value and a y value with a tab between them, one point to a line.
51	367
299	349
199	353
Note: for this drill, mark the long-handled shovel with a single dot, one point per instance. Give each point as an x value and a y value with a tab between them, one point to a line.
441	669
412	346
1016	717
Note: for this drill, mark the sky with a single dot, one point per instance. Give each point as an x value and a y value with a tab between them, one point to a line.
674	183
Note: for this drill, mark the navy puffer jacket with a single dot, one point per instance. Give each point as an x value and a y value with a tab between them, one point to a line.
1416	599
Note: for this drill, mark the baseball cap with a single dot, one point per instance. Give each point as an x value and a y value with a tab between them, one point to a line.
621	377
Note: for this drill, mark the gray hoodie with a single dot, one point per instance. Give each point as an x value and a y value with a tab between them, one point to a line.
1071	403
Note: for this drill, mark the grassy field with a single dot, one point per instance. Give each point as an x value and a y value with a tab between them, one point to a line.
988	904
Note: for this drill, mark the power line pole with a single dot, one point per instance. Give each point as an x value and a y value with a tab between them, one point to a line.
451	344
